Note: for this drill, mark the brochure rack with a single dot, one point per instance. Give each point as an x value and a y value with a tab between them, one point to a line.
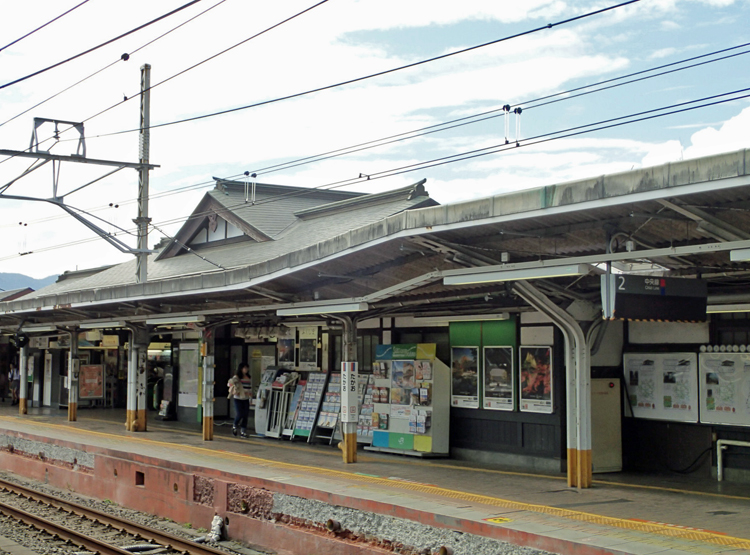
291	416
367	407
411	402
282	390
309	404
330	411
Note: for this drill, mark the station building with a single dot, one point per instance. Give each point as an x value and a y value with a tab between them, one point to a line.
597	325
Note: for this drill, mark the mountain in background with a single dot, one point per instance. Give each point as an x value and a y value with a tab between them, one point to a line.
8	282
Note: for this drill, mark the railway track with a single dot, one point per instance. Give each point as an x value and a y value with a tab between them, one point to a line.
89	529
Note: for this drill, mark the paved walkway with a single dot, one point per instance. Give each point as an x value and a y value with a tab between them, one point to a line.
622	514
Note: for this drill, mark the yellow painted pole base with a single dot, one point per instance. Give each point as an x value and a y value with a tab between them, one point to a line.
208	428
572	468
140	421
579	468
72	412
349	448
131	421
22	406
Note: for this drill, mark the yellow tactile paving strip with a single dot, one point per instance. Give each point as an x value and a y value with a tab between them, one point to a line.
665	530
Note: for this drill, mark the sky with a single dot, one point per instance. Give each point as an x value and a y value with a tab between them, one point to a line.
333	42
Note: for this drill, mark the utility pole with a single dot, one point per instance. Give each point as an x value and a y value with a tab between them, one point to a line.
142	221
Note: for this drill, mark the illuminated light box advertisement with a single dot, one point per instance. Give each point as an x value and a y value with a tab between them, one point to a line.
536	379
464	377
724	384
662	386
499	386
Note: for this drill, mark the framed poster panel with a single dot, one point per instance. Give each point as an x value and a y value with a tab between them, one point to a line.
536	379
285	348
189	361
308	348
662	386
91	381
464	377
499	378
724	386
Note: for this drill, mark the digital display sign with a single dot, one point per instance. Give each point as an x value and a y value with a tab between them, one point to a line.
631	297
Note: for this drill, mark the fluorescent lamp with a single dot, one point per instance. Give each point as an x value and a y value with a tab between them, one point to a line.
101	325
322	309
461	318
739	255
516	275
176	320
32	329
722	308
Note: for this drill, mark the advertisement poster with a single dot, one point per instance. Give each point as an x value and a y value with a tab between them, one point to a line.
189	360
536	379
662	386
498	378
724	384
285	348
308	348
91	381
402	382
464	377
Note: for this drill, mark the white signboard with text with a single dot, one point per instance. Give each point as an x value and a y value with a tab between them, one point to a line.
349	400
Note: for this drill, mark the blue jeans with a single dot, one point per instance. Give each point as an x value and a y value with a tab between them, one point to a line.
241	412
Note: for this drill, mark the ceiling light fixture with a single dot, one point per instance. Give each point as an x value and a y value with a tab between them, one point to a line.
466	278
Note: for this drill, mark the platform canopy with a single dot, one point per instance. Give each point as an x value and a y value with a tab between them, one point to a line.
294	250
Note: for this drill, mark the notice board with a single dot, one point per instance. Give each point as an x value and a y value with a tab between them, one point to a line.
662	386
725	388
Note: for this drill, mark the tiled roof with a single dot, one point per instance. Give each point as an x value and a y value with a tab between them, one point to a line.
276	218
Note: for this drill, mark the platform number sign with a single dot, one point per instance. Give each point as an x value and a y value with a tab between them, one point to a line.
349	401
635	297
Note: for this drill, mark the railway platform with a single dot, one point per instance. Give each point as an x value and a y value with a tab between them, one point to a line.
430	503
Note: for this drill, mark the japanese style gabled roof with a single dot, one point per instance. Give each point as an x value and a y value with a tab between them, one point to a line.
279	222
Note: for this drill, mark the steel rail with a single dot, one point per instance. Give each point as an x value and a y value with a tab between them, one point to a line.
165	539
59	531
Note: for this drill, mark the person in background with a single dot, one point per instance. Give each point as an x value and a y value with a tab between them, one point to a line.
3	384
15	382
241	389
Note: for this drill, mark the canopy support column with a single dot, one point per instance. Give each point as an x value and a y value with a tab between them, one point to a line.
578	385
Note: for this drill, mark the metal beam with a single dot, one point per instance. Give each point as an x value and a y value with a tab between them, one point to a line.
704	248
74	158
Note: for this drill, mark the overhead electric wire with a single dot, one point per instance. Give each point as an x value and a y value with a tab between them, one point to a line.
42	26
377	74
120	59
547	137
446	125
256	35
188	69
110	41
476	118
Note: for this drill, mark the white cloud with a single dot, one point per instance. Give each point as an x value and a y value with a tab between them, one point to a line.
662	53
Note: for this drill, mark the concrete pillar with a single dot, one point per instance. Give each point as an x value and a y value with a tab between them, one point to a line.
23	361
135	415
73	368
348	354
208	390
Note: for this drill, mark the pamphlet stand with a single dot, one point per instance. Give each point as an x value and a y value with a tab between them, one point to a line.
411	403
330	411
279	400
309	404
262	399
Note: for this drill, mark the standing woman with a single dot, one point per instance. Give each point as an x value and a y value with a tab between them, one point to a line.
241	389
